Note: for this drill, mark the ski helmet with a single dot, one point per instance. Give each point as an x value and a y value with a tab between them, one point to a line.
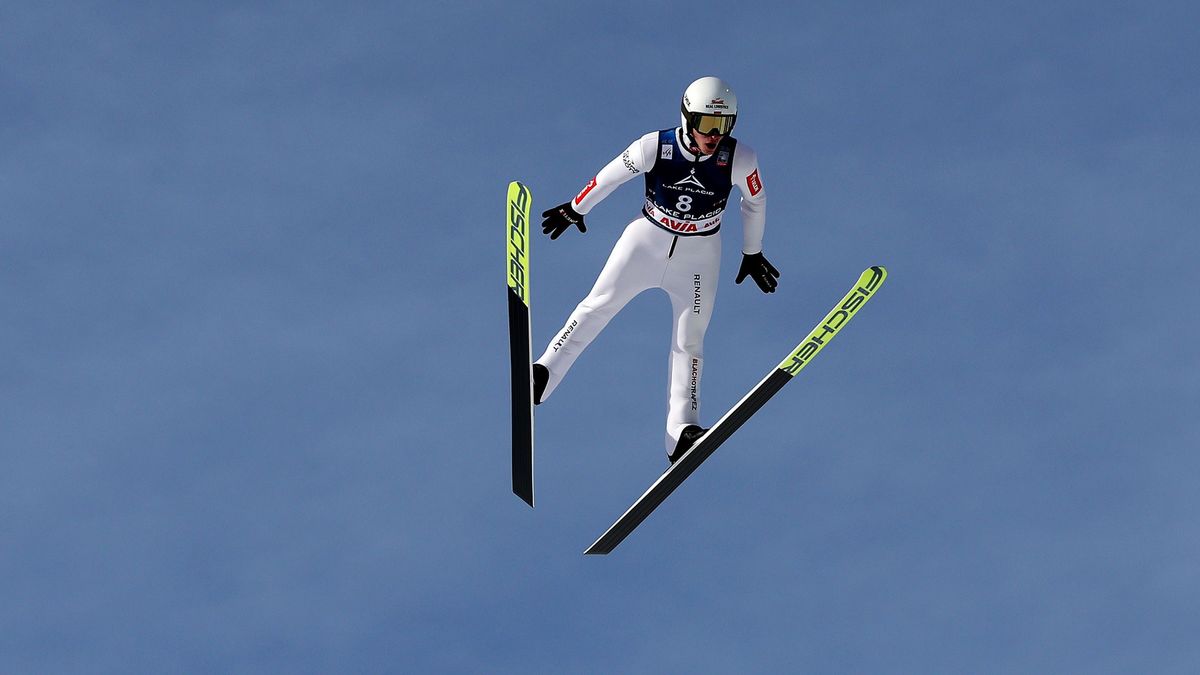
709	106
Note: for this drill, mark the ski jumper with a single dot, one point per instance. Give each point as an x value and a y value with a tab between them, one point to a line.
674	245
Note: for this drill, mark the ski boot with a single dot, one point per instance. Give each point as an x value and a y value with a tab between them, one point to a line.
540	377
687	437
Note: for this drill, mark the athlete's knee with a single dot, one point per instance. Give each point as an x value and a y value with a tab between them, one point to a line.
692	346
600	306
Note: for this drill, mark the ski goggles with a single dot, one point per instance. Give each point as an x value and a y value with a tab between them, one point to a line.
711	124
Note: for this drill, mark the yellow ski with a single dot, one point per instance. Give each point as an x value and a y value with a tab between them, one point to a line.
520	346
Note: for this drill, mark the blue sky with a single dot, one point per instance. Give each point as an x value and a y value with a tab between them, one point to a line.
253	415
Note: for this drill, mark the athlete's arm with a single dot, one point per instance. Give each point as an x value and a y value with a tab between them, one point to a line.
754	198
637	158
754	220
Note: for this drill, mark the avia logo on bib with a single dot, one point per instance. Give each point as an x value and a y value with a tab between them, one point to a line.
687	226
677	225
682	225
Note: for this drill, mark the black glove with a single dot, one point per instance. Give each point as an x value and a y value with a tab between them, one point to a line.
559	218
762	272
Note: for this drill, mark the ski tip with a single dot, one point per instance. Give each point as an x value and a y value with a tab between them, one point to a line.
872	277
519	193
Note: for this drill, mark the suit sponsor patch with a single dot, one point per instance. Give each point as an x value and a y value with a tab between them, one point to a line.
629	162
754	183
586	189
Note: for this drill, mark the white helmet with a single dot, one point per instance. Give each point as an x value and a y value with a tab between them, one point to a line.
709	106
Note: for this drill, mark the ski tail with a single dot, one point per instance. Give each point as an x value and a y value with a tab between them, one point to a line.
520	200
868	283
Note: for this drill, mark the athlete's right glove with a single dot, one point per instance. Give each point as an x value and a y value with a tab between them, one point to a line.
559	218
762	272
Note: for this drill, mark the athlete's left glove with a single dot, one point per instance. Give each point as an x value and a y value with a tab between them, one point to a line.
762	272
559	218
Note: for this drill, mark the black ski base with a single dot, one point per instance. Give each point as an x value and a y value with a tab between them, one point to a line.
522	399
690	461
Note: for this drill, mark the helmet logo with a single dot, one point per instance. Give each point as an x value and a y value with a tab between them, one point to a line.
708	96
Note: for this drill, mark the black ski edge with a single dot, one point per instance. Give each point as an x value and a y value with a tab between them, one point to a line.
691	460
522	397
868	283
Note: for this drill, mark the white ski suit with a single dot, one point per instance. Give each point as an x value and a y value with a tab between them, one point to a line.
673	245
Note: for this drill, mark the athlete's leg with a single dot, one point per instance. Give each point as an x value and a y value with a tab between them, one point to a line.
635	264
691	283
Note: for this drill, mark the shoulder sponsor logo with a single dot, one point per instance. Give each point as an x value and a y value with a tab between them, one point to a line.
723	157
754	183
629	162
586	189
668	152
